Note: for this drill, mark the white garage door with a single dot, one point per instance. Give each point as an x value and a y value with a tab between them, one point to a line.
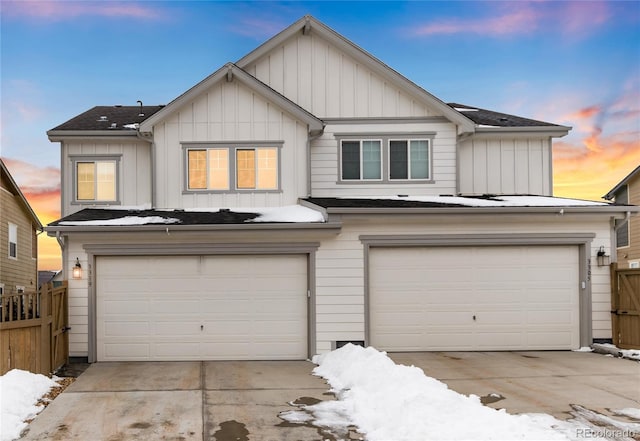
201	308
474	298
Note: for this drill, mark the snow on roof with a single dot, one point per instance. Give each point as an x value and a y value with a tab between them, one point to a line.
286	213
110	217
495	201
127	220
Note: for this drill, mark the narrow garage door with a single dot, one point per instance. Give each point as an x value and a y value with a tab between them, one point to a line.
474	298
201	307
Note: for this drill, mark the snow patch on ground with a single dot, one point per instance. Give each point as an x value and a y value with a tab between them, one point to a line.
628	412
384	401
20	392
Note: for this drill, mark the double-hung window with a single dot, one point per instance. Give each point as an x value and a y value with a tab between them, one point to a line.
409	159
95	179
13	241
361	159
232	167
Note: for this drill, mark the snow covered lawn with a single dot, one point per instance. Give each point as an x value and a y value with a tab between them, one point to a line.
386	401
20	392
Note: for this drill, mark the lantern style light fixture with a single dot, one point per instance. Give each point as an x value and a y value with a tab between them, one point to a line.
602	258
77	270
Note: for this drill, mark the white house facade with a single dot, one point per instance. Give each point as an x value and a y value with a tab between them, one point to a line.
309	195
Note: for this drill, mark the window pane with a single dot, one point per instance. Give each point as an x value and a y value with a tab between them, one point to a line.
85	173
246	168
218	169
106	181
371	160
267	168
350	159
13	240
420	159
398	159
197	169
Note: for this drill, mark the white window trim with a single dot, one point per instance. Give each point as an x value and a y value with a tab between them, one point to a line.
1	289
12	227
75	159
232	147
20	289
361	152
409	178
385	138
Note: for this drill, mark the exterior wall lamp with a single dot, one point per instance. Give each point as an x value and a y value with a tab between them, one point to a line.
77	270
602	258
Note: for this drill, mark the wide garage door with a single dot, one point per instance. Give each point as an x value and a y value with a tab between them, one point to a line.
201	307
474	298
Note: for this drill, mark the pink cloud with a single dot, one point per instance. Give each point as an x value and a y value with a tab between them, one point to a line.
512	18
33	179
63	10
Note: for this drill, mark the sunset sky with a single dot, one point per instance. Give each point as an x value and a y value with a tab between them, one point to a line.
572	63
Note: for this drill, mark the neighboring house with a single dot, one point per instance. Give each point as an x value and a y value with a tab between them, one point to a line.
19	227
627	234
309	195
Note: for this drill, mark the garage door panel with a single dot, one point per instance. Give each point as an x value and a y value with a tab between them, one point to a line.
210	307
425	298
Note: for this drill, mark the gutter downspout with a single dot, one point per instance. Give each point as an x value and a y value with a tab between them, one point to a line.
614	236
152	174
310	138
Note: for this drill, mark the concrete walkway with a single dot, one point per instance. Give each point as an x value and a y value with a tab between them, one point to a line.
240	401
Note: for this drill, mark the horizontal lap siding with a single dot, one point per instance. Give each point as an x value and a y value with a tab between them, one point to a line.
325	158
340	282
229	112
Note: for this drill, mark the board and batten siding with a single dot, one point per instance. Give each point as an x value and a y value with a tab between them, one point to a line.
228	112
134	173
505	166
329	83
325	157
340	283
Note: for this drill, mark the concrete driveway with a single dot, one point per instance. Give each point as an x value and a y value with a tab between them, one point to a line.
217	401
536	382
222	401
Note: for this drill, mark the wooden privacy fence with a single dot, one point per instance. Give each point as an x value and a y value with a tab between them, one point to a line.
625	307
33	330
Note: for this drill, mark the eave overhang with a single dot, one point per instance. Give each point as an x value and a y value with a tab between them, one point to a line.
541	131
169	228
63	135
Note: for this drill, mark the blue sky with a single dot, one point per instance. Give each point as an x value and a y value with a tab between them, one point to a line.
572	62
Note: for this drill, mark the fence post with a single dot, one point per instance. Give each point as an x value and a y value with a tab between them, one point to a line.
45	328
615	304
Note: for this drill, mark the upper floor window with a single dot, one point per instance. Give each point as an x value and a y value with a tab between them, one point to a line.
238	167
361	159
409	159
95	179
13	241
388	159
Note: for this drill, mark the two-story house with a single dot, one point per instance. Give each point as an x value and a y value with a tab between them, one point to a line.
627	191
309	195
19	227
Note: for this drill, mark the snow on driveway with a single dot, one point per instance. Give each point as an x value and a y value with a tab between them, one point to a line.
386	401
